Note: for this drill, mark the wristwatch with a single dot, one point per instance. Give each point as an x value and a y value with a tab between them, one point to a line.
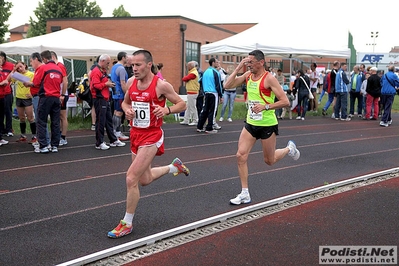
267	107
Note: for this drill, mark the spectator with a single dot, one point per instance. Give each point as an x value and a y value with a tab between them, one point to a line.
49	102
229	96
200	99
354	92
64	91
302	93
2	85
119	77
5	70
373	90
93	110
192	87
389	81
159	67
213	91
99	86
341	92
129	66
24	102
314	83
331	89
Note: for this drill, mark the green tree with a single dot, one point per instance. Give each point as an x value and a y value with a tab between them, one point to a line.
61	9
5	13
120	12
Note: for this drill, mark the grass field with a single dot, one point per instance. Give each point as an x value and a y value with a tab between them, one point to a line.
239	113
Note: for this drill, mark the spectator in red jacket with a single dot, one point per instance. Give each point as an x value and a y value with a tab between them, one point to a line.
2	141
99	86
48	77
6	69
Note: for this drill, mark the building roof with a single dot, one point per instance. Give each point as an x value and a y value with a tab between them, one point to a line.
20	29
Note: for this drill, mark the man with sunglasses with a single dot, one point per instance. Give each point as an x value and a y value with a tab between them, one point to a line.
261	122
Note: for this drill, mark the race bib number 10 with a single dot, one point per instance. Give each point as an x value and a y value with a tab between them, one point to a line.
142	110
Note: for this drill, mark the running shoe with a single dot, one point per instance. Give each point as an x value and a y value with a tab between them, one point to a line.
22	138
117	143
383	124
54	149
121	230
242	198
213	131
33	140
200	130
221	119
103	146
180	167
41	150
10	134
123	137
3	142
93	127
229	120
216	126
294	153
63	142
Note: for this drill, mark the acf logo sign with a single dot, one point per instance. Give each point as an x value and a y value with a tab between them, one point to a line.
373	58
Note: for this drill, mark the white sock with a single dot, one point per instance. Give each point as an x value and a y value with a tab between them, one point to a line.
128	218
172	169
245	191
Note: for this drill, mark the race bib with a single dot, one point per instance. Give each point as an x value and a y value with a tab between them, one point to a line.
252	115
142	110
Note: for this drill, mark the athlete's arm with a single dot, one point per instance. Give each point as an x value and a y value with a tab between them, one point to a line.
233	80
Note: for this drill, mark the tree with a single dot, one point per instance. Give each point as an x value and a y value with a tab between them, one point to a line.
120	12
4	15
61	9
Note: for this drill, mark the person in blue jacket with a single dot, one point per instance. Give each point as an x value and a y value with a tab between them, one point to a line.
389	84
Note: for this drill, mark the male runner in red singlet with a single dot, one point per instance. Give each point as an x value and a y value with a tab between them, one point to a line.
145	106
261	122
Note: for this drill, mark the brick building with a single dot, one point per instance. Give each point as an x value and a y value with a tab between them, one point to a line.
172	40
19	32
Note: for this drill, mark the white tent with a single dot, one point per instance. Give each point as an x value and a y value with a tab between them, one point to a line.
69	43
277	41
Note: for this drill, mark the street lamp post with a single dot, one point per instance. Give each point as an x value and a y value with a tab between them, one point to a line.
374	35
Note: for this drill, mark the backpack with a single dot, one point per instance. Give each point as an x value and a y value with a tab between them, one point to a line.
83	92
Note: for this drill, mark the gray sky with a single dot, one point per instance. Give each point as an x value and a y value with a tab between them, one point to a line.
283	16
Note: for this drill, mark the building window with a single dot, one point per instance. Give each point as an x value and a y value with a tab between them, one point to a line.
192	52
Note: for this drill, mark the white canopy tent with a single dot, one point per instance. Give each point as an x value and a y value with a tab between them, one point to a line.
277	41
69	43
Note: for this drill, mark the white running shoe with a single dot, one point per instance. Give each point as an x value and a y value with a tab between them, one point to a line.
117	143
229	120
241	198
63	142
123	137
221	119
3	142
103	146
294	153
216	126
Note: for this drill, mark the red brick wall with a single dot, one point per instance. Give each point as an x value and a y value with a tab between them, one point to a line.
160	35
